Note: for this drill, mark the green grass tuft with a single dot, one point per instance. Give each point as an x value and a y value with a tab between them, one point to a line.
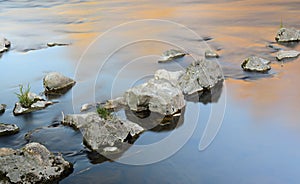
104	113
23	96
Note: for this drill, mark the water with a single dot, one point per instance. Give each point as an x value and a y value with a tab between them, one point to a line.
260	135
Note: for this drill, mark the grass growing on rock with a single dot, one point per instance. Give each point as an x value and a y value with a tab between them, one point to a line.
23	96
104	113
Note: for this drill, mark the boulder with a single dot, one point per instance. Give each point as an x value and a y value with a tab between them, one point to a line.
200	75
287	35
211	54
55	82
105	136
39	104
287	54
256	64
4	44
32	164
171	54
8	129
155	95
2	108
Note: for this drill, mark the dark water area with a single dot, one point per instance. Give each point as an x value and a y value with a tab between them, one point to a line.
112	48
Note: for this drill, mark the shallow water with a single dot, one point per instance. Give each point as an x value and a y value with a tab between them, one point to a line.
260	135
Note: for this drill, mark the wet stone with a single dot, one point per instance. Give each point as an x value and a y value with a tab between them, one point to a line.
8	129
211	54
287	35
4	44
55	82
170	55
256	64
2	108
287	54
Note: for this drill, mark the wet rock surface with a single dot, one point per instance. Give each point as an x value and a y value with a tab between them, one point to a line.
287	35
8	129
2	108
4	44
170	55
256	64
106	137
32	164
56	83
211	54
287	54
39	104
53	44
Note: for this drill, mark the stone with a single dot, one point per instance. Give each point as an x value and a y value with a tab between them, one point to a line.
200	75
53	44
256	64
39	104
211	54
287	54
4	44
155	95
33	163
55	82
104	135
169	76
170	55
2	108
287	35
8	129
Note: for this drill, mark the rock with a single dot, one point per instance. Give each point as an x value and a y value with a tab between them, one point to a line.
32	164
4	44
115	104
39	104
287	35
169	76
200	75
2	108
155	95
256	64
8	129
211	54
287	54
104	136
55	82
53	44
171	54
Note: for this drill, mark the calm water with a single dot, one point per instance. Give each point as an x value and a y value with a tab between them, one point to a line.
259	139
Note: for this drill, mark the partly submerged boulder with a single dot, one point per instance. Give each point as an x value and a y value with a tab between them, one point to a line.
4	44
32	164
8	129
256	64
171	54
287	35
200	75
211	54
2	108
55	82
105	136
287	54
38	104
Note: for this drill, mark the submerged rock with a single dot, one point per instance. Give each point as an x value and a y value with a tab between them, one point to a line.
4	44
38	104
8	129
287	35
171	54
211	54
155	95
53	44
2	108
33	163
256	64
203	74
104	135
55	82
287	54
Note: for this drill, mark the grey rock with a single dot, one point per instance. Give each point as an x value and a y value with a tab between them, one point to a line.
287	35
211	54
169	76
55	82
39	104
155	95
4	44
200	75
256	64
2	108
33	163
115	104
171	54
287	54
8	129
103	136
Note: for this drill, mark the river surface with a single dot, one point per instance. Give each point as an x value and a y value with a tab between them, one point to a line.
259	140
